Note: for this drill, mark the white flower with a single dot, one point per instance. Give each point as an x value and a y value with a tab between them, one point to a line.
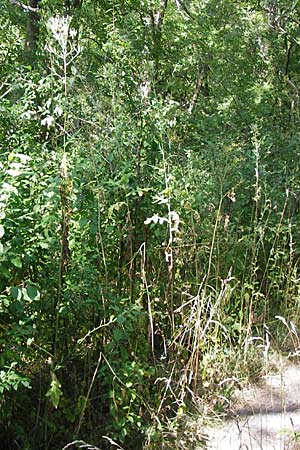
47	121
58	111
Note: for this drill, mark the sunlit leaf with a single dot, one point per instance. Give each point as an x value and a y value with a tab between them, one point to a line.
54	393
16	293
17	262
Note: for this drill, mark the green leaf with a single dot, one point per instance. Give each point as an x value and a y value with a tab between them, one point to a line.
82	222
30	293
16	293
44	245
55	392
33	293
4	272
17	262
121	319
81	402
118	334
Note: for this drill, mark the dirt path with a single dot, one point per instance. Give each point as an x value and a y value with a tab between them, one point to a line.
265	417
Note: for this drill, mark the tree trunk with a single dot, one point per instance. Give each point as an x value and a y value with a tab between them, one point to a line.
32	31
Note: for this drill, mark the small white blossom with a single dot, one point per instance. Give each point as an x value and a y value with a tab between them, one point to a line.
47	121
58	111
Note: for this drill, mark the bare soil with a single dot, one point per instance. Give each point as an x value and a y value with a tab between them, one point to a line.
265	416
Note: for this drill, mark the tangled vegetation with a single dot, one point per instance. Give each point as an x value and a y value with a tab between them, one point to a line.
149	214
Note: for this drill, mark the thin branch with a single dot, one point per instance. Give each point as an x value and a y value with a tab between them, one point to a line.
286	33
3	83
287	60
81	444
292	84
102	325
23	6
196	92
87	397
142	251
6	93
181	6
113	442
159	16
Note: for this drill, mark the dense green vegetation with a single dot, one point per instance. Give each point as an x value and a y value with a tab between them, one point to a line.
149	213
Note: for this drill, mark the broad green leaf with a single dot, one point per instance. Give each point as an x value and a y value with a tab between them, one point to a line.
55	392
118	334
33	293
4	271
16	293
44	245
82	222
16	262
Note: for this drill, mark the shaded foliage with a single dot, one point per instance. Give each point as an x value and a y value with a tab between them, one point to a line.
149	200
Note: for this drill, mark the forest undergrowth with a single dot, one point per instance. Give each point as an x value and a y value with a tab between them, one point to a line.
149	216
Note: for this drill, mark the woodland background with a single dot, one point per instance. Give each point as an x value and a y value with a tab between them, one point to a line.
149	214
